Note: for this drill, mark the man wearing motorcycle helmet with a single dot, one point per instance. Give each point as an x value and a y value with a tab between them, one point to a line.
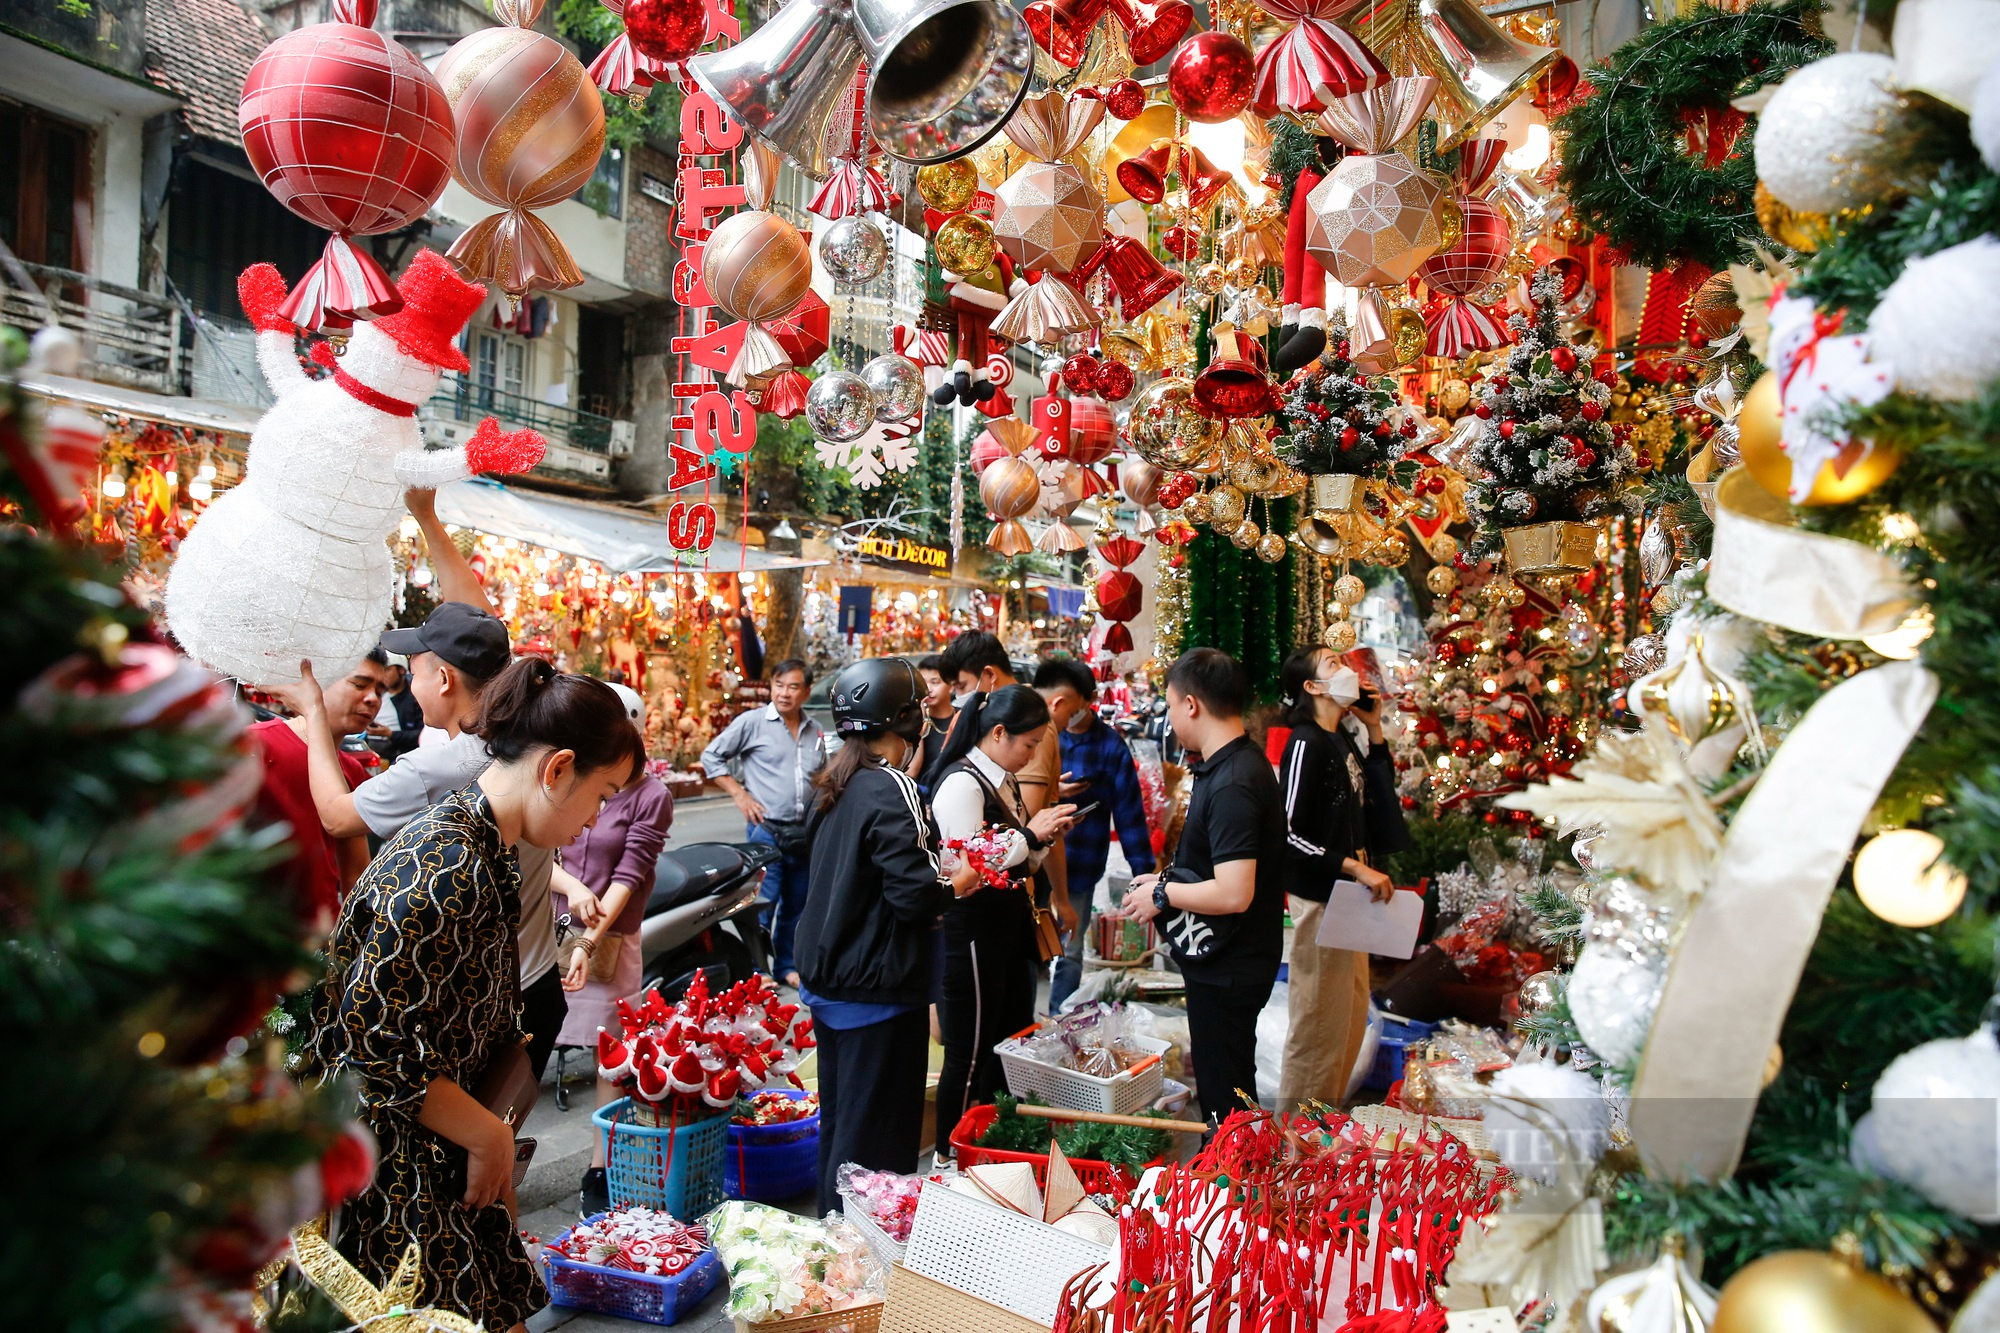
867	940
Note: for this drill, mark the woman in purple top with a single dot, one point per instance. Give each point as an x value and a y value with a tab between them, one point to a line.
615	860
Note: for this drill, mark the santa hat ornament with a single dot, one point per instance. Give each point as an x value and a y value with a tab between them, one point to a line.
614	1057
351	132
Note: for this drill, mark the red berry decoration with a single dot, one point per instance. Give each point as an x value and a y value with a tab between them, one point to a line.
1483	412
1125	99
1590	412
1564	359
1506	430
1349	437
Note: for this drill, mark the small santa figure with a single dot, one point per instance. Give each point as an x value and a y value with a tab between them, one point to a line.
293	564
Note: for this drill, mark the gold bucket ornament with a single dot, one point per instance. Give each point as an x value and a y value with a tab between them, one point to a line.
1558	547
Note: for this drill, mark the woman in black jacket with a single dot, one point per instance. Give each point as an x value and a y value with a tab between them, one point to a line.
867	939
1334	760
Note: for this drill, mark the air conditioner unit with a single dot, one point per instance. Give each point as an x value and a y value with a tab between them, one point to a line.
622	434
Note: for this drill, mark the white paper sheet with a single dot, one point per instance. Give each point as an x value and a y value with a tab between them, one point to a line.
1354	920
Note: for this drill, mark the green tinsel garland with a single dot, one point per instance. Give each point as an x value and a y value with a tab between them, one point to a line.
1293	149
1625	166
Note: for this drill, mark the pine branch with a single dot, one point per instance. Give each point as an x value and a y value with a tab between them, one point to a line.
1558	917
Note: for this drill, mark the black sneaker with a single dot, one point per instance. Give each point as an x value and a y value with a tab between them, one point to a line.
595	1196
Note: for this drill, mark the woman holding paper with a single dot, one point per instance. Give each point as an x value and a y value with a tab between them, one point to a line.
1336	737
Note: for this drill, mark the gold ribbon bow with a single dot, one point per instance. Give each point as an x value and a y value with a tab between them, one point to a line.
386	1309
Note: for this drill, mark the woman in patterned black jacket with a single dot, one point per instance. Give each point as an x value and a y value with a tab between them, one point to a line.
422	991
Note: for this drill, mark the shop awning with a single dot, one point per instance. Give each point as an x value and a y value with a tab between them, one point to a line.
200	413
623	540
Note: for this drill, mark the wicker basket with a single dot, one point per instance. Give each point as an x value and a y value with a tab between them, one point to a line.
1018	1263
884	1246
1125	1093
918	1304
858	1319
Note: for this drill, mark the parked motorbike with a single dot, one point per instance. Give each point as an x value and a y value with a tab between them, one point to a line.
702	917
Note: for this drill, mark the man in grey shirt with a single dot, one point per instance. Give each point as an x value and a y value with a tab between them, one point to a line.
777	749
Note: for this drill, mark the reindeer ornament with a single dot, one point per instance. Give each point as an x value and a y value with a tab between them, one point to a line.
293	564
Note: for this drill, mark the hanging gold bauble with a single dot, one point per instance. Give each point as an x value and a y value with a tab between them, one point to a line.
1804	1291
1451	218
1758	440
1350	589
1255	472
1168	432
1208	279
1242	275
1337	611
1395	550
1340	636
965	243
1226	506
1455	396
1270	548
1195	509
1406	328
1246	535
948	186
1714	306
1567	227
1787	226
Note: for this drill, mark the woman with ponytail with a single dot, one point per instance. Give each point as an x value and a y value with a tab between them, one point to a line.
991	959
1336	739
422	992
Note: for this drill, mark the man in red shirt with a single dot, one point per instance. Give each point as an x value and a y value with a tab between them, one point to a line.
321	868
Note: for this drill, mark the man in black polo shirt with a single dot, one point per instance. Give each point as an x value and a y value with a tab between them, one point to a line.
1222	905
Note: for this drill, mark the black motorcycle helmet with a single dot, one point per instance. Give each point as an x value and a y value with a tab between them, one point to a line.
878	695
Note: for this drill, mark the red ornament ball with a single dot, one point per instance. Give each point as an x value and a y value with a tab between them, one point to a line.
1590	411
346	127
1079	373
1349	437
1506	430
1115	380
1093	429
1212	77
1479	257
1181	242
1483	412
1564	359
668	31
1125	99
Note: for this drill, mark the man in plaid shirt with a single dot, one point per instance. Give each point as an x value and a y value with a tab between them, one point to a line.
1097	766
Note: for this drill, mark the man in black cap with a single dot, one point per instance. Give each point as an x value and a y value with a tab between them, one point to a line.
453	654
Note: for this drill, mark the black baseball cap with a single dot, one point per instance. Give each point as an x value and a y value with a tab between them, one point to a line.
472	640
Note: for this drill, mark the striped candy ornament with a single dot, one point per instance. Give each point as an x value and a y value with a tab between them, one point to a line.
621	68
1303	70
849	190
530	132
348	130
1457	327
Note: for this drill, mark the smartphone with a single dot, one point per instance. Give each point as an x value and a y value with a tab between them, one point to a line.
1079	814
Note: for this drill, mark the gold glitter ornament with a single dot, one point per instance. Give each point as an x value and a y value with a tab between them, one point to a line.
1804	232
390	1308
948	186
1455	396
1567	227
1270	548
1395	550
1337	611
1167	431
965	244
1195	508
1443	548
1441	579
1350	589
1242	275
1208	279
1340	636
1227	506
1246	535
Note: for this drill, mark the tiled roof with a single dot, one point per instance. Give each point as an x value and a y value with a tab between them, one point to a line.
201	50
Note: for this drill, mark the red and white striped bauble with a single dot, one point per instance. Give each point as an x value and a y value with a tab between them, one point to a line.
1313	63
347	129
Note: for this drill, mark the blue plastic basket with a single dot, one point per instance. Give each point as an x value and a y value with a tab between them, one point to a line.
778	1173
1398	1035
789	1132
615	1291
676	1171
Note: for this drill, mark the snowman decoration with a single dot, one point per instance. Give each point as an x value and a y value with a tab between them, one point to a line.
293	564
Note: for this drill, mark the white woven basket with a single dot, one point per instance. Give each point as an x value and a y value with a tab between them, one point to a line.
996	1254
1129	1091
885	1247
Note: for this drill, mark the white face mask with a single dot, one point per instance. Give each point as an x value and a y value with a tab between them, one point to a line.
1343	686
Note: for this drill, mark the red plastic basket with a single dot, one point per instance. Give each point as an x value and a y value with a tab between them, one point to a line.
1097	1177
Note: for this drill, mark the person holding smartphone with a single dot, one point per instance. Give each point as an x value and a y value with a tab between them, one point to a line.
1325	775
422	992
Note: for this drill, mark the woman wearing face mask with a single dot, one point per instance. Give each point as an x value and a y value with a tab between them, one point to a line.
866	944
991	960
1336	737
422	990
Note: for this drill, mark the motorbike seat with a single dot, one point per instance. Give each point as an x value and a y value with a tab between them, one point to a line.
685	874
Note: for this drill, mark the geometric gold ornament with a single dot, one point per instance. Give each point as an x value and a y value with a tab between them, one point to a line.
1375	218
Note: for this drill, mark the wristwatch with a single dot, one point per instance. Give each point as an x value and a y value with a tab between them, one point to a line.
1160	903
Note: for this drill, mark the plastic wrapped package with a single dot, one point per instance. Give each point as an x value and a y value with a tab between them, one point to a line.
782	1266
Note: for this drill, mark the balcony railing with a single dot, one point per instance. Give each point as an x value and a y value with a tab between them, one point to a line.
459	400
129	337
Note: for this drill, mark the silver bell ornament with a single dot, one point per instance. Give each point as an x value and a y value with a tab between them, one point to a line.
898	385
854	250
840	406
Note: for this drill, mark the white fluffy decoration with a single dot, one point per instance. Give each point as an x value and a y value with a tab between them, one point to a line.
1612	997
1938	323
1823	119
293	563
1570	1098
1986	117
1934	1123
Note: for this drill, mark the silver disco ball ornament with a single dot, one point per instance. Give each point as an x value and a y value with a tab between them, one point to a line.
840	406
898	385
854	250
